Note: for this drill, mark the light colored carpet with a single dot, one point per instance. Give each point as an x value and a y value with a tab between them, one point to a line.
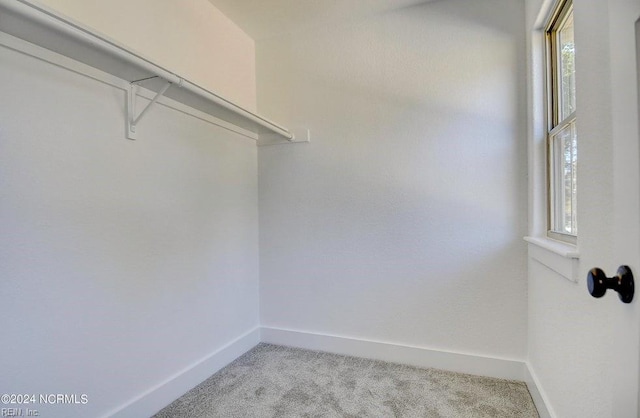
273	381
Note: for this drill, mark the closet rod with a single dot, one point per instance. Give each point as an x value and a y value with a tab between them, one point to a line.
52	20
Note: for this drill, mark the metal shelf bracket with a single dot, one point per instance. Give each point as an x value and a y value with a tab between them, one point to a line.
132	120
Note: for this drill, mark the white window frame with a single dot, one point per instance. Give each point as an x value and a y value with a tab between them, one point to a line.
554	124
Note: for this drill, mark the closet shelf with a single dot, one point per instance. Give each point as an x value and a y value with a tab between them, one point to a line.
44	27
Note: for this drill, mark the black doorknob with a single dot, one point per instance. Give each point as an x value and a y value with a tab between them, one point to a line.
622	282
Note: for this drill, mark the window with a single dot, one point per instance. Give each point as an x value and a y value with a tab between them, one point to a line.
562	139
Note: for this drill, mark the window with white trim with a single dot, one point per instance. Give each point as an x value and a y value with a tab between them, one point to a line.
562	139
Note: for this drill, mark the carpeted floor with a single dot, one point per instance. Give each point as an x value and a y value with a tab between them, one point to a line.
273	381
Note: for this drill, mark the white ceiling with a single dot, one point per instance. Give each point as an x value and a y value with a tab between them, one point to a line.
264	18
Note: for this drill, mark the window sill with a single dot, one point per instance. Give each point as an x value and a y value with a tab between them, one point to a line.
558	256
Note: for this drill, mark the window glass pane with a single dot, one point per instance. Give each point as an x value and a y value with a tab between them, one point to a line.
567	68
562	140
565	152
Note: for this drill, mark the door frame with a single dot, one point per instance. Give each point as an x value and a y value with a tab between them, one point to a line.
624	47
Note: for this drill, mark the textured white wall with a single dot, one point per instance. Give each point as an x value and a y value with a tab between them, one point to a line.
189	37
122	262
403	220
571	335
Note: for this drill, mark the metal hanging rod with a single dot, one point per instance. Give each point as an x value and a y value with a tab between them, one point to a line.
46	28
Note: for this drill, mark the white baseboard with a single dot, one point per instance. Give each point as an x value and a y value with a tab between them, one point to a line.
537	394
414	356
156	398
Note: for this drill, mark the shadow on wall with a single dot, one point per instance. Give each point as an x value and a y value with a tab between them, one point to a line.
386	218
459	56
407	210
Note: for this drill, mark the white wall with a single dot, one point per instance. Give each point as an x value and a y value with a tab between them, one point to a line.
571	335
402	221
191	38
122	262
